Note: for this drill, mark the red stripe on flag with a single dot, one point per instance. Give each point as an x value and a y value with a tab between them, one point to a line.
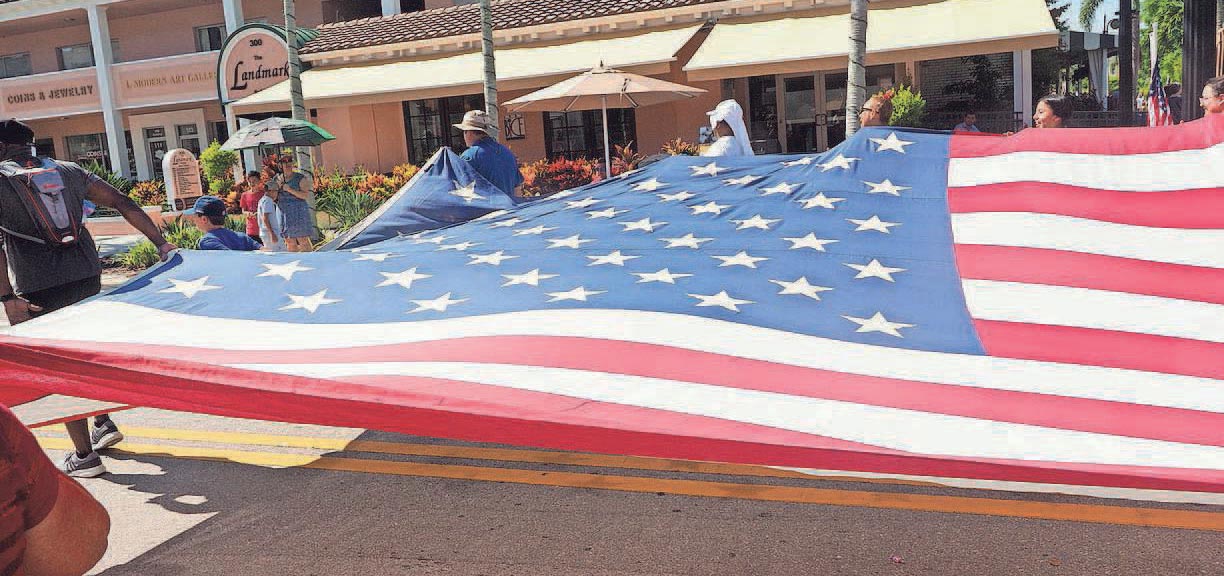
177	385
1200	134
1179	209
652	361
1092	271
12	396
1092	347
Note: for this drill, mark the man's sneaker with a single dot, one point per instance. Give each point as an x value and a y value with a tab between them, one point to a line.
105	435
87	467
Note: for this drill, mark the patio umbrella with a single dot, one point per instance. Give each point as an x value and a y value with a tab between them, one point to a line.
600	89
277	132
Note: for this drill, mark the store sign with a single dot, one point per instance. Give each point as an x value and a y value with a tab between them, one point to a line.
67	93
182	173
165	80
255	57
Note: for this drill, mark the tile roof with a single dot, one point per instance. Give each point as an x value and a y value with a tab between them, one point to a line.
465	19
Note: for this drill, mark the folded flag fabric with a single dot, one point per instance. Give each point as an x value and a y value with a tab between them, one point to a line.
1046	307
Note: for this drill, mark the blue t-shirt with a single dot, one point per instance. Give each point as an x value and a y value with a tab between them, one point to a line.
496	163
226	239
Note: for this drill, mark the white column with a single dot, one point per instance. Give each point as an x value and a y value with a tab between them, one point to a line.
233	15
99	33
1022	84
390	7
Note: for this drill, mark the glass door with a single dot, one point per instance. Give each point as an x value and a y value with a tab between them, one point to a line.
801	114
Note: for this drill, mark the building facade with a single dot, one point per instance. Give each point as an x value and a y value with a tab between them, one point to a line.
389	77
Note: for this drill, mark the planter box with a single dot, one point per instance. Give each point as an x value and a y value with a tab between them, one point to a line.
117	226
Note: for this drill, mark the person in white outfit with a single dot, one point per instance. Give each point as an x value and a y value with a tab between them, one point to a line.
731	134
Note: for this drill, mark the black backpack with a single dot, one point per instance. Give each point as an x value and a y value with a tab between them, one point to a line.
41	190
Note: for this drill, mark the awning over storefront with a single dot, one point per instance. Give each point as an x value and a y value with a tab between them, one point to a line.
915	30
517	68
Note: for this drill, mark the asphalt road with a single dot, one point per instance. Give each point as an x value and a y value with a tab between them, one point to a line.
198	495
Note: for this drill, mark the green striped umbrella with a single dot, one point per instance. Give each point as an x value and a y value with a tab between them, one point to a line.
277	132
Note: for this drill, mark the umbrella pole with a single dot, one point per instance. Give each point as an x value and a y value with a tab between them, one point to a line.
607	147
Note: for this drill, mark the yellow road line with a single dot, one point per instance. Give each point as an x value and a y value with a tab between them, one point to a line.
1117	515
500	454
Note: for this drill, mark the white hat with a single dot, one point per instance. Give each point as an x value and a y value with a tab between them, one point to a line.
477	120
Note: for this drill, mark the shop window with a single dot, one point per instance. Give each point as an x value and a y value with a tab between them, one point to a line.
209	38
412	5
82	56
218	131
45	147
15	65
85	148
428	124
763	114
579	134
345	10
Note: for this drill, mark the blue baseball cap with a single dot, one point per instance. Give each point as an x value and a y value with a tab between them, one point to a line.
207	206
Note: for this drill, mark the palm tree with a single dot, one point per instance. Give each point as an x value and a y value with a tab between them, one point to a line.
856	73
1088	12
490	68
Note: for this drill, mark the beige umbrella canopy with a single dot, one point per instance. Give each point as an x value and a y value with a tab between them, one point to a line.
600	89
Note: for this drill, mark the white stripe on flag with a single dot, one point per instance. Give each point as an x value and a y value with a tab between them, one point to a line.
894	428
1158	172
94	321
1053	232
1098	309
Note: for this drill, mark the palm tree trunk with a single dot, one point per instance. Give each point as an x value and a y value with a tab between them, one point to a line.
856	85
490	66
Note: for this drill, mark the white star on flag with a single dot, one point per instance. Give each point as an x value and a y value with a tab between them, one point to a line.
755	222
468	193
885	187
838	162
645	225
285	271
809	241
580	294
615	258
801	287
405	278
439	304
821	201
506	223
722	300
461	246
649	185
741	259
806	160
677	197
710	207
492	215
584	203
309	303
663	275
711	169
530	278
435	240
873	223
780	188
686	241
187	288
891	143
495	258
534	230
878	323
575	241
371	257
874	269
605	213
742	180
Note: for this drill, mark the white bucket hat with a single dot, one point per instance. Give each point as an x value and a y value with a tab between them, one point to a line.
477	120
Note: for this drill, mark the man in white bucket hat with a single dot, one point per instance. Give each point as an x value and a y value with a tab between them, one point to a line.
492	160
727	120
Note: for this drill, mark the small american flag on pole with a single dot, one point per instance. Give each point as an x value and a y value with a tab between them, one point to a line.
1046	307
1159	113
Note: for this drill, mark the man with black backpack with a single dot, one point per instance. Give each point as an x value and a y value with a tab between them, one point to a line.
53	259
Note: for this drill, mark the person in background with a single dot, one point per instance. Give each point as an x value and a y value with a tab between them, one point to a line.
730	132
968	123
48	523
1176	103
294	190
877	111
45	267
490	159
1053	111
252	191
208	215
1212	99
271	222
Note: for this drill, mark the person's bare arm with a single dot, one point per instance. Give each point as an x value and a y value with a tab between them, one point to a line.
303	191
72	538
104	194
17	310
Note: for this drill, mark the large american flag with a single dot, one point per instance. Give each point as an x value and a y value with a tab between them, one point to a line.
1046	307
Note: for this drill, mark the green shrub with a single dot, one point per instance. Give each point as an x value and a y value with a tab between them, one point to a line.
217	163
113	178
347	207
141	256
909	107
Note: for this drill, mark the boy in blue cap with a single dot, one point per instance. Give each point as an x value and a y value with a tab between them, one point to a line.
208	215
